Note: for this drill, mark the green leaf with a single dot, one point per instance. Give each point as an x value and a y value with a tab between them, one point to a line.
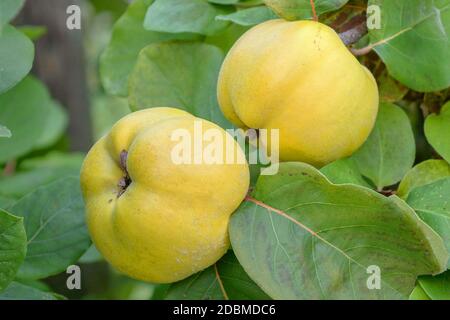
13	247
55	125
106	111
418	294
18	291
431	202
9	9
249	17
436	287
437	131
16	57
24	111
389	152
413	42
305	238
55	226
196	16
6	202
424	173
224	280
33	32
5	132
91	255
227	38
344	171
178	74
301	9
128	38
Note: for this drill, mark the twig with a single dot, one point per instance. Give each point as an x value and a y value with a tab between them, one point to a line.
362	51
313	7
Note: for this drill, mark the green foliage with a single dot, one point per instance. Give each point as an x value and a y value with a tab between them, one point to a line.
178	74
424	173
413	42
389	152
13	247
55	226
34	119
437	131
9	9
225	280
18	291
128	38
316	239
175	16
16	57
249	17
436	287
301	9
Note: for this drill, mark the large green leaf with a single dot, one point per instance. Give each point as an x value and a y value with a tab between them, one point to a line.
301	9
249	17
13	247
437	131
419	294
174	16
413	42
422	174
8	10
389	152
305	238
432	204
55	226
19	291
128	38
436	287
16	57
224	280
23	111
178	74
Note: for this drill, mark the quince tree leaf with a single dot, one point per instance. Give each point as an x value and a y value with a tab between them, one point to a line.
224	280
249	17
414	42
432	204
16	57
437	131
178	74
55	226
302	237
422	174
54	126
24	111
19	291
9	9
194	16
128	38
13	247
223	1
436	287
389	152
301	9
390	89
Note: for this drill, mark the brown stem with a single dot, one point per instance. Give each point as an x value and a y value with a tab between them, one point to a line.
362	51
10	168
313	7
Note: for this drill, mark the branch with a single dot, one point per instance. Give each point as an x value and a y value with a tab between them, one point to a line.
313	7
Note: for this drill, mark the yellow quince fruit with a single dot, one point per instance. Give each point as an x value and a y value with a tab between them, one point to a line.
300	78
153	218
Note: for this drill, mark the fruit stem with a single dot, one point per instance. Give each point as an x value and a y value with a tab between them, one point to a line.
313	7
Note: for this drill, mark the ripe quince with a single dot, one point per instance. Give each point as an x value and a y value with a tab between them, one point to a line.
300	78
152	218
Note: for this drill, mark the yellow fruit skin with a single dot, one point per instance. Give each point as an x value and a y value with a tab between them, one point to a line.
172	220
300	78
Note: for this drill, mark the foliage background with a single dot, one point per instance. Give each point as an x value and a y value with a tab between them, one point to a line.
168	52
